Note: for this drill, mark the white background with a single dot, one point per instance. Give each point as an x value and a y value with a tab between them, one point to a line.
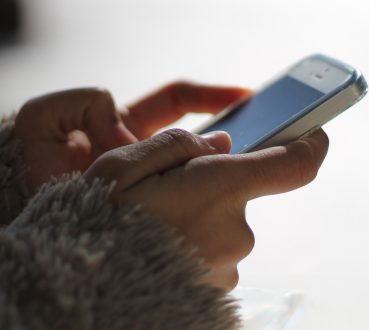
314	240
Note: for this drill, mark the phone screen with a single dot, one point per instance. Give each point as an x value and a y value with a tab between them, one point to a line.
256	118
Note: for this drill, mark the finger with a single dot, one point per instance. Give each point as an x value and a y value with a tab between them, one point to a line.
160	153
171	102
269	171
90	110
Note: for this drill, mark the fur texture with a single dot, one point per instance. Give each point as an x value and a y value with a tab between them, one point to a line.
13	192
71	260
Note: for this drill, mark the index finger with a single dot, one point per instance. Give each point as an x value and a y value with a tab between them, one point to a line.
171	102
265	172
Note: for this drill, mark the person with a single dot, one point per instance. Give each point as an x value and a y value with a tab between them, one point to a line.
107	224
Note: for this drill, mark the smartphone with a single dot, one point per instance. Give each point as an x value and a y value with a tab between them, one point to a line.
305	97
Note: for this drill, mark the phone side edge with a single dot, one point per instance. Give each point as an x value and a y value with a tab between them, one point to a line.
319	116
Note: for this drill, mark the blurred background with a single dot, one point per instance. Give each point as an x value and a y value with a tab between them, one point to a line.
314	241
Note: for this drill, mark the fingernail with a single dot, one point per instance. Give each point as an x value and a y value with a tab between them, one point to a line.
219	140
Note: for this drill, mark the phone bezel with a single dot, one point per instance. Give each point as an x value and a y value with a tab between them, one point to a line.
316	114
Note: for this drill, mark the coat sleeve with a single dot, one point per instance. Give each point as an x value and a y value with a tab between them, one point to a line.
13	192
71	260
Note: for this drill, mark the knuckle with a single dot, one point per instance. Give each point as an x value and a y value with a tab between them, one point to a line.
178	87
102	104
232	280
180	93
33	111
25	107
186	142
102	95
246	243
179	136
242	242
232	245
22	115
29	107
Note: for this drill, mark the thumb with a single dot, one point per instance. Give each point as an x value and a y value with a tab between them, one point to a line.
159	154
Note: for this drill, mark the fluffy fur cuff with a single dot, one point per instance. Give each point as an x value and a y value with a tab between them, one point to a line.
13	191
71	260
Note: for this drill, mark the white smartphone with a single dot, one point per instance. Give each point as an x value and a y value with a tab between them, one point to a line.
304	98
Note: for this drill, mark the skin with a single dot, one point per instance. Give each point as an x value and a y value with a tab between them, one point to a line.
66	131
187	180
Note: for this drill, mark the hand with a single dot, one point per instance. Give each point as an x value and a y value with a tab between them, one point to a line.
66	131
190	183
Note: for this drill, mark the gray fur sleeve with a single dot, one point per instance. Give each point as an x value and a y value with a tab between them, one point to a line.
73	261
13	192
